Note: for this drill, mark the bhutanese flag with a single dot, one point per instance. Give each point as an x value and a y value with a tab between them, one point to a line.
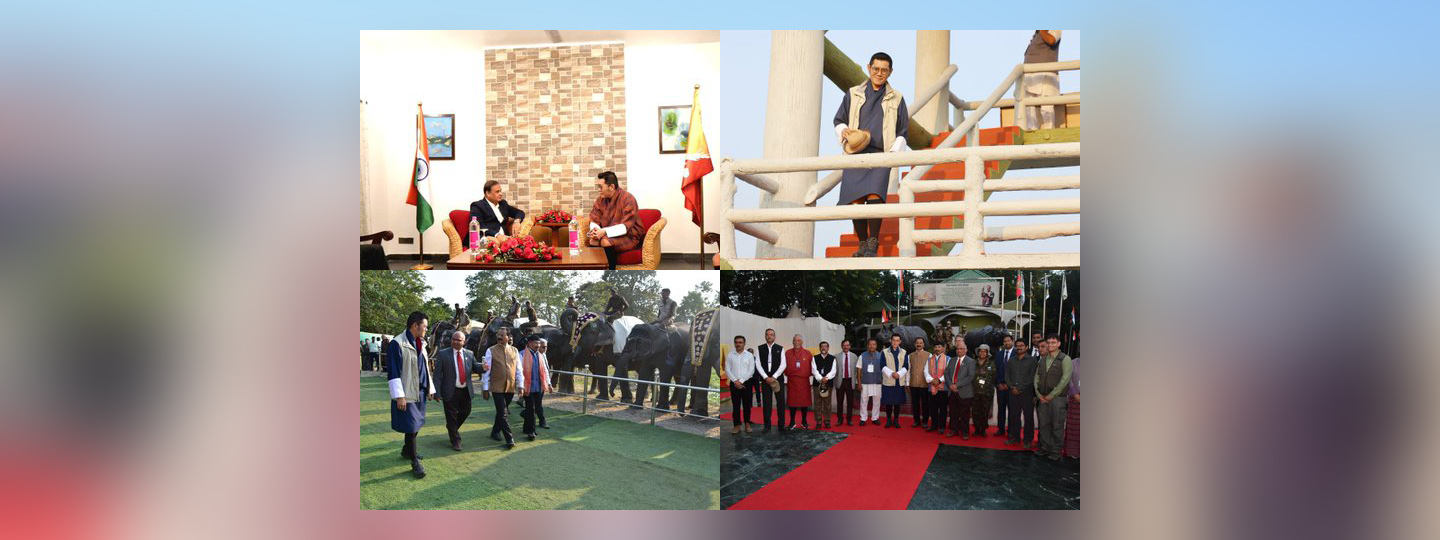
419	195
697	165
884	315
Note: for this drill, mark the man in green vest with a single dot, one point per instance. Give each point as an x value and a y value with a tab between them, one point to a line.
1052	392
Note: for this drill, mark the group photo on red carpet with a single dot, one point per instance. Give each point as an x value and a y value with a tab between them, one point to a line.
900	390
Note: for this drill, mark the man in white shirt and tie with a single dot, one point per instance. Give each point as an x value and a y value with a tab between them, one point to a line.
739	370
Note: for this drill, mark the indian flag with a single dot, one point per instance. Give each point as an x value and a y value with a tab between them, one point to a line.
697	165
419	195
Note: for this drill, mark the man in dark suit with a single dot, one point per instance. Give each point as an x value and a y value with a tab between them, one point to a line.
455	364
494	212
1002	391
770	367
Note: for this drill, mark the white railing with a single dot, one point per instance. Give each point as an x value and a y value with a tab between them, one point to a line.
974	208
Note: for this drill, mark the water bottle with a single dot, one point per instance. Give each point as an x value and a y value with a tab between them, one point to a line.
574	234
474	235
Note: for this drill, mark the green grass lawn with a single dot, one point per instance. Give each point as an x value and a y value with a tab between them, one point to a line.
583	463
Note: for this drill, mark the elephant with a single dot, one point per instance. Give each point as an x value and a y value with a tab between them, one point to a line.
907	336
650	348
439	337
692	375
594	348
989	335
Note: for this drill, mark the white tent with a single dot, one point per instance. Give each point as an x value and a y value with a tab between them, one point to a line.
813	329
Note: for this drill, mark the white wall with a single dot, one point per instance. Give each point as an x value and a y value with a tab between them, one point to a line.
657	75
449	78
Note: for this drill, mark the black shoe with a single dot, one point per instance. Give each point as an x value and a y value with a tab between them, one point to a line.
915	424
1000	431
766	430
455	445
544	426
530	435
509	444
417	469
965	436
862	422
496	436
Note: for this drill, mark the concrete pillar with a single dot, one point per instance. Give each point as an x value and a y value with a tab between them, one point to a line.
932	55
792	120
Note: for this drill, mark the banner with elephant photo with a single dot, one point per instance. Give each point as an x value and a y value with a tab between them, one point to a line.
977	293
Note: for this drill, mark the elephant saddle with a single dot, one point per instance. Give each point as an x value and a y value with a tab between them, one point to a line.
700	330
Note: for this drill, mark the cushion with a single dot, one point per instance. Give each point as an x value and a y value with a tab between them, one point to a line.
634	256
461	220
647	217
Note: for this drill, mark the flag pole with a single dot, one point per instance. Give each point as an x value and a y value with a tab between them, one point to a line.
1045	307
702	201
419	118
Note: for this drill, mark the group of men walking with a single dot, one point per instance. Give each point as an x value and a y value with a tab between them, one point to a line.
449	378
949	392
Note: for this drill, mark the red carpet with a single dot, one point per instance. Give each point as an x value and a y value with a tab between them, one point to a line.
906	452
845	478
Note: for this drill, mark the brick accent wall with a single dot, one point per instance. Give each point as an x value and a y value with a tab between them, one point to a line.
555	118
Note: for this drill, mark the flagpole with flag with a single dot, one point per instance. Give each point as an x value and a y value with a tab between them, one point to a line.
1019	296
419	195
697	165
1045	307
1060	323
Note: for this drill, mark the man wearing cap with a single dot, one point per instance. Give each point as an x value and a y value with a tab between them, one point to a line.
984	390
666	312
537	373
872	119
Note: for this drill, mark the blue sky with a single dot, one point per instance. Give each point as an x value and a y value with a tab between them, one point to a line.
983	58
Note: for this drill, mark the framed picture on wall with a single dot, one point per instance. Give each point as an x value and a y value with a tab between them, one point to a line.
674	128
440	131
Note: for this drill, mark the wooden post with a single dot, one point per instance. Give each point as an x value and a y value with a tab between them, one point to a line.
932	57
792	112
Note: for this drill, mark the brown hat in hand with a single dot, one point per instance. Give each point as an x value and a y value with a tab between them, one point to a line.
856	140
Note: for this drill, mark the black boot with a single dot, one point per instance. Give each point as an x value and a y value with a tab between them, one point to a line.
416	468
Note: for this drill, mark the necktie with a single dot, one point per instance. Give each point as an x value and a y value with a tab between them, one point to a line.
460	369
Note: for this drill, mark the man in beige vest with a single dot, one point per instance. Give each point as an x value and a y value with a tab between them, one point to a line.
919	389
872	119
505	378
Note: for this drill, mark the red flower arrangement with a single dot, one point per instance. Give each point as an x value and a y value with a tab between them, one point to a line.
518	249
556	216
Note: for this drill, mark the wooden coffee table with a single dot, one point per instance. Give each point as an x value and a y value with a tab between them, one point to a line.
589	258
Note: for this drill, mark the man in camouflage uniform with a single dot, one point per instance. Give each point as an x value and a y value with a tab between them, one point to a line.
984	389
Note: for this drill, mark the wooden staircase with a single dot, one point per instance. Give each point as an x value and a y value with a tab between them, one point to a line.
890	228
